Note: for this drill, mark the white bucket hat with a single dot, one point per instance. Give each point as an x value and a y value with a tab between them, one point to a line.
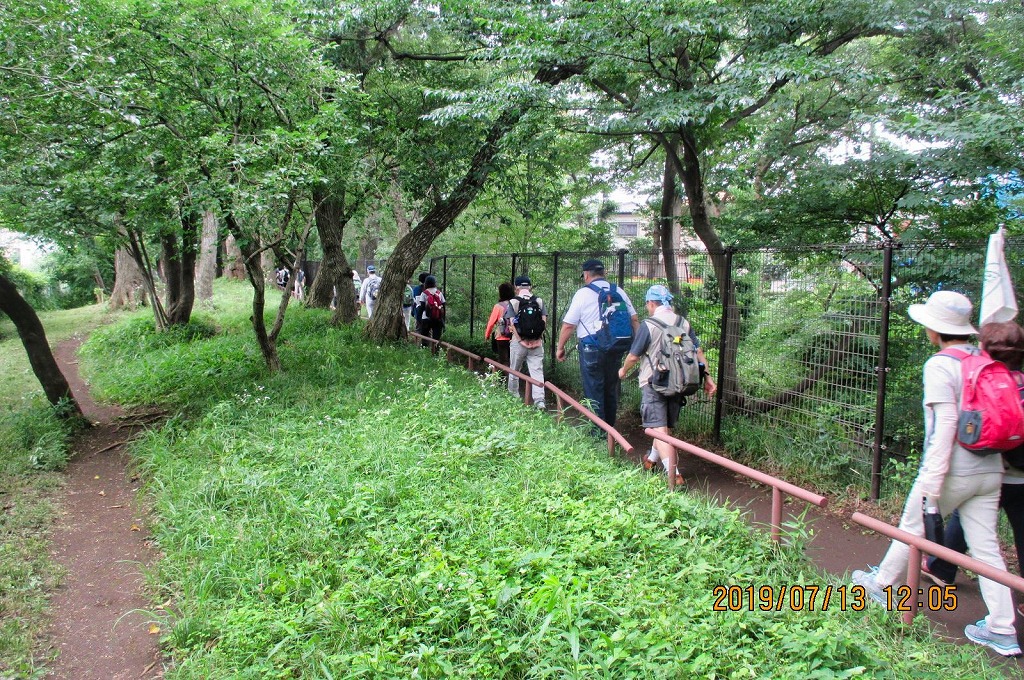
945	312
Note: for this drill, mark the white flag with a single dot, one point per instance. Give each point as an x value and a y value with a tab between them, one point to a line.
998	303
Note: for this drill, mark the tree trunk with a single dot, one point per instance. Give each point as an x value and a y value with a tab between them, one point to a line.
33	337
234	266
335	271
689	170
206	272
179	270
668	227
370	240
251	258
128	283
388	322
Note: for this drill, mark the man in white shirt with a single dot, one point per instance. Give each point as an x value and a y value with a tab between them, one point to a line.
599	364
369	290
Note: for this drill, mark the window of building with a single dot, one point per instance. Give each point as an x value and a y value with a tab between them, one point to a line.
627	229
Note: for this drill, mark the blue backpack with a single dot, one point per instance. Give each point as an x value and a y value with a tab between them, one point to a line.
616	331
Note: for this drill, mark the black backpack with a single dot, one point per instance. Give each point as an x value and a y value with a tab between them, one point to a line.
529	322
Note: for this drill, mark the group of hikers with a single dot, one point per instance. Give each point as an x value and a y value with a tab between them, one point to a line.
959	477
967	484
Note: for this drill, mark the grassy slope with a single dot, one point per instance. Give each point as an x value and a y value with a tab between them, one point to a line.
371	512
32	451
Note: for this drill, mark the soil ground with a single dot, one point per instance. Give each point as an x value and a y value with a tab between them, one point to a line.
103	618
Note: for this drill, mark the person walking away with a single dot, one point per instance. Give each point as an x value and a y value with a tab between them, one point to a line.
604	321
431	304
672	366
281	276
299	291
527	321
951	476
370	289
1003	342
498	324
416	311
407	303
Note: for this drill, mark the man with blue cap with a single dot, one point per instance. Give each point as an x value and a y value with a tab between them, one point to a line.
658	411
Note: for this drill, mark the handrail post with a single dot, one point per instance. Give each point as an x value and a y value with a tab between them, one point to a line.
611	446
776	514
882	370
913	581
472	294
561	408
723	345
553	313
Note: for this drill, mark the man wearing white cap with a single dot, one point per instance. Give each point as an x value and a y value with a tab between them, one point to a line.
952	476
369	290
657	411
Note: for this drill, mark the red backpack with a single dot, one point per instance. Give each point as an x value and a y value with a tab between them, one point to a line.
991	417
435	308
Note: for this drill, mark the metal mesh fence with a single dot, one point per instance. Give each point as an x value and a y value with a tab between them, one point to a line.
816	351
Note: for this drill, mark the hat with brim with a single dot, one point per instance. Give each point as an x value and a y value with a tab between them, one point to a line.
593	266
945	312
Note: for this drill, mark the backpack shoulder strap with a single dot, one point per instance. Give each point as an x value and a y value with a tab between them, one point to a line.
596	288
953	353
658	322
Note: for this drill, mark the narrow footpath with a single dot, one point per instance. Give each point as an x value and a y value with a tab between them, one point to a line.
101	625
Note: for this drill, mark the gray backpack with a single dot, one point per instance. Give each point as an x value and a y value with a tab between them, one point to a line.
676	370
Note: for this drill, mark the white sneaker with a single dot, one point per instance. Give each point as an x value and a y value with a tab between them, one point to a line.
866	580
1003	643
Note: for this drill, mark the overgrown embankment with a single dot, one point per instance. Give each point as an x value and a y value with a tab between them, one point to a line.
373	512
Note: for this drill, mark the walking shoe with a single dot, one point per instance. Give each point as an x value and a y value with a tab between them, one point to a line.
928	572
866	579
540	405
1003	643
648	464
680	480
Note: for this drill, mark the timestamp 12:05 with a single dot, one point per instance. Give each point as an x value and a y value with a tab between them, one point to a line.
932	598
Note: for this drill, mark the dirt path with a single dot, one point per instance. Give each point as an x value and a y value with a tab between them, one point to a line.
100	625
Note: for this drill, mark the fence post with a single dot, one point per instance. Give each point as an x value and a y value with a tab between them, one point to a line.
882	371
723	339
556	327
444	273
515	256
622	267
472	294
430	268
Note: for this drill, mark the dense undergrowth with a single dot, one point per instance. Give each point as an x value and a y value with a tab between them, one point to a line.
373	512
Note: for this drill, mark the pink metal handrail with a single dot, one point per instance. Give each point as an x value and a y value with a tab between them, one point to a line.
918	544
614	436
778	486
528	393
472	358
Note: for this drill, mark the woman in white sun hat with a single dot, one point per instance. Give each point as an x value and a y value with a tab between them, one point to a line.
952	475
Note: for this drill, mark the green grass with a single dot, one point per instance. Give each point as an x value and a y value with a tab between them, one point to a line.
373	512
33	449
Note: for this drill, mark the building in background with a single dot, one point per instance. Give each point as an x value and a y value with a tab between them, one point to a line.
22	251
